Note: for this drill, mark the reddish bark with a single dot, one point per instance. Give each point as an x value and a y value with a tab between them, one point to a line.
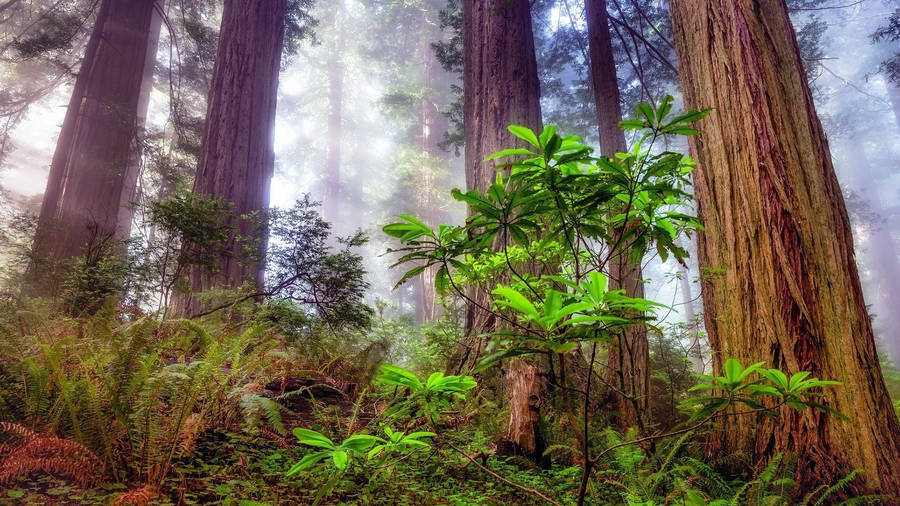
629	353
523	436
237	157
781	282
95	166
501	87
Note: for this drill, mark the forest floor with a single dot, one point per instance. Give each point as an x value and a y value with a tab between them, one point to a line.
249	470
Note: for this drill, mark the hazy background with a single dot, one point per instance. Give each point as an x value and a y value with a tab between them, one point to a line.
378	173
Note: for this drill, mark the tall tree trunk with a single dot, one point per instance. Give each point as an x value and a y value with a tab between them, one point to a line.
237	157
95	165
695	352
629	353
432	124
501	88
782	283
332	204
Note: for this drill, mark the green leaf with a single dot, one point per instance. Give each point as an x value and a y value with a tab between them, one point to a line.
510	152
516	301
376	450
525	134
433	378
393	375
359	442
441	280
340	458
419	435
796	379
733	370
306	462
549	131
415	271
313	438
778	378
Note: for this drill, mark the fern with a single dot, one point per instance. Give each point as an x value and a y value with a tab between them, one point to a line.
46	454
829	490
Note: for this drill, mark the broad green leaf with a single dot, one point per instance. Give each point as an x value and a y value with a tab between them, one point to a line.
525	134
340	458
548	132
306	462
393	375
313	438
359	442
733	370
778	378
510	152
516	301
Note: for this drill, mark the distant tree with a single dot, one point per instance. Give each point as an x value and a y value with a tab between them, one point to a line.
780	278
95	165
236	156
41	46
629	354
334	129
418	90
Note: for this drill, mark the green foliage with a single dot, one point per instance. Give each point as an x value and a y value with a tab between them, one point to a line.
746	386
555	206
136	394
356	445
303	268
426	398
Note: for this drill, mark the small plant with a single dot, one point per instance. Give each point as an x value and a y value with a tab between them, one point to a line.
429	398
739	387
355	445
363	447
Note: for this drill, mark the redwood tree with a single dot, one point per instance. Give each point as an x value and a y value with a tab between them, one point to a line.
629	355
331	200
95	166
780	278
237	154
501	88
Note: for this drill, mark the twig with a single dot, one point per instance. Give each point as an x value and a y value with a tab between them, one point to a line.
497	476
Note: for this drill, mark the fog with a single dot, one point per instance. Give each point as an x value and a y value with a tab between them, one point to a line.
858	106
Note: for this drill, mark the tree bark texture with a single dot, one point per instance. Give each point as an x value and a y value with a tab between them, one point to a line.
95	167
780	278
629	353
523	382
501	88
237	154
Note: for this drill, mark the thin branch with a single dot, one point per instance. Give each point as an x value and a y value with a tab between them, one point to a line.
828	8
498	477
652	49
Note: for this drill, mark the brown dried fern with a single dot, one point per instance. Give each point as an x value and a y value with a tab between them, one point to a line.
137	497
32	452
